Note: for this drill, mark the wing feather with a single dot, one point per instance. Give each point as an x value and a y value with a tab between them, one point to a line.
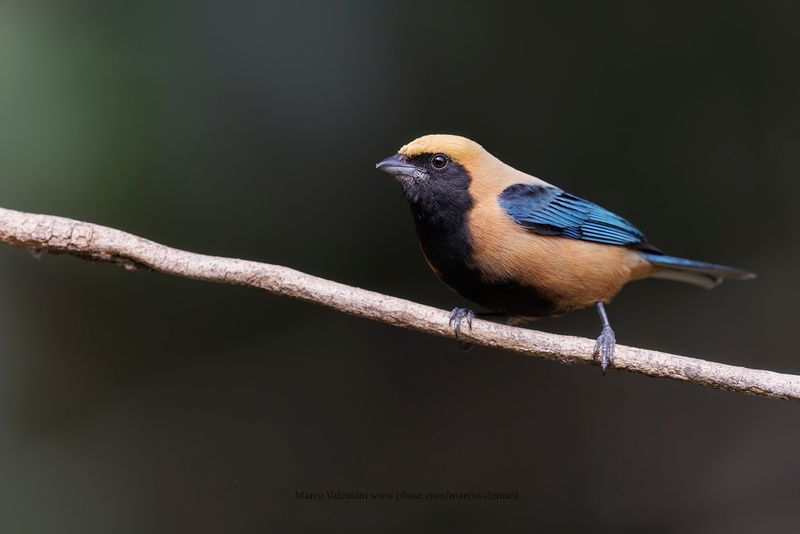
549	210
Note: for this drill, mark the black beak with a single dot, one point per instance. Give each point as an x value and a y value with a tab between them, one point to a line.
398	166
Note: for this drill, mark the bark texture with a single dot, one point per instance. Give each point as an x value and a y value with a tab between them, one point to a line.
99	243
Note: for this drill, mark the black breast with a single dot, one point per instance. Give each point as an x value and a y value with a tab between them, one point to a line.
440	208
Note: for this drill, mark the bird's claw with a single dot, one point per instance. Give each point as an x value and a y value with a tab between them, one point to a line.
604	348
456	317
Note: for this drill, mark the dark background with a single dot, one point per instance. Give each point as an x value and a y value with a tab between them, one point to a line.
137	402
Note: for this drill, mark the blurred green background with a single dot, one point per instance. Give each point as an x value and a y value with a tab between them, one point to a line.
137	402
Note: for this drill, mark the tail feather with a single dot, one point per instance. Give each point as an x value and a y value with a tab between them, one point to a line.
700	273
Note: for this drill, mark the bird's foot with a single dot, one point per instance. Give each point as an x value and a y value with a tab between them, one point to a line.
457	316
604	348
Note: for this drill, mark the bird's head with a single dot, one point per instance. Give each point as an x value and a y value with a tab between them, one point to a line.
436	164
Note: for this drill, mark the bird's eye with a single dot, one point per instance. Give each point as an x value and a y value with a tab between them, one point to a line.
439	161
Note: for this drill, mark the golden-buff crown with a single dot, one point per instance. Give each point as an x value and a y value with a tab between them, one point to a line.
460	149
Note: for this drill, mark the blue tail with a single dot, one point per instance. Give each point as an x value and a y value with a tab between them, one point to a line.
694	272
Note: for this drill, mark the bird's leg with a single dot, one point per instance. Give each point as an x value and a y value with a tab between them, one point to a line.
606	342
456	317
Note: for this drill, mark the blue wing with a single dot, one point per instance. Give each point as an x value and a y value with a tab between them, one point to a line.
549	210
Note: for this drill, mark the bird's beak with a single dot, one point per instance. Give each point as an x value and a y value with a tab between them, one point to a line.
398	166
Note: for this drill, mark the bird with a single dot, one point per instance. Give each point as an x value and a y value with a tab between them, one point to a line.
521	247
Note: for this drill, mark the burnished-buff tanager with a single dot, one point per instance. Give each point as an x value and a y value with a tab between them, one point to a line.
521	247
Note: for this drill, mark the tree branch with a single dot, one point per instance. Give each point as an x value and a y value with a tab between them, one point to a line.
99	243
